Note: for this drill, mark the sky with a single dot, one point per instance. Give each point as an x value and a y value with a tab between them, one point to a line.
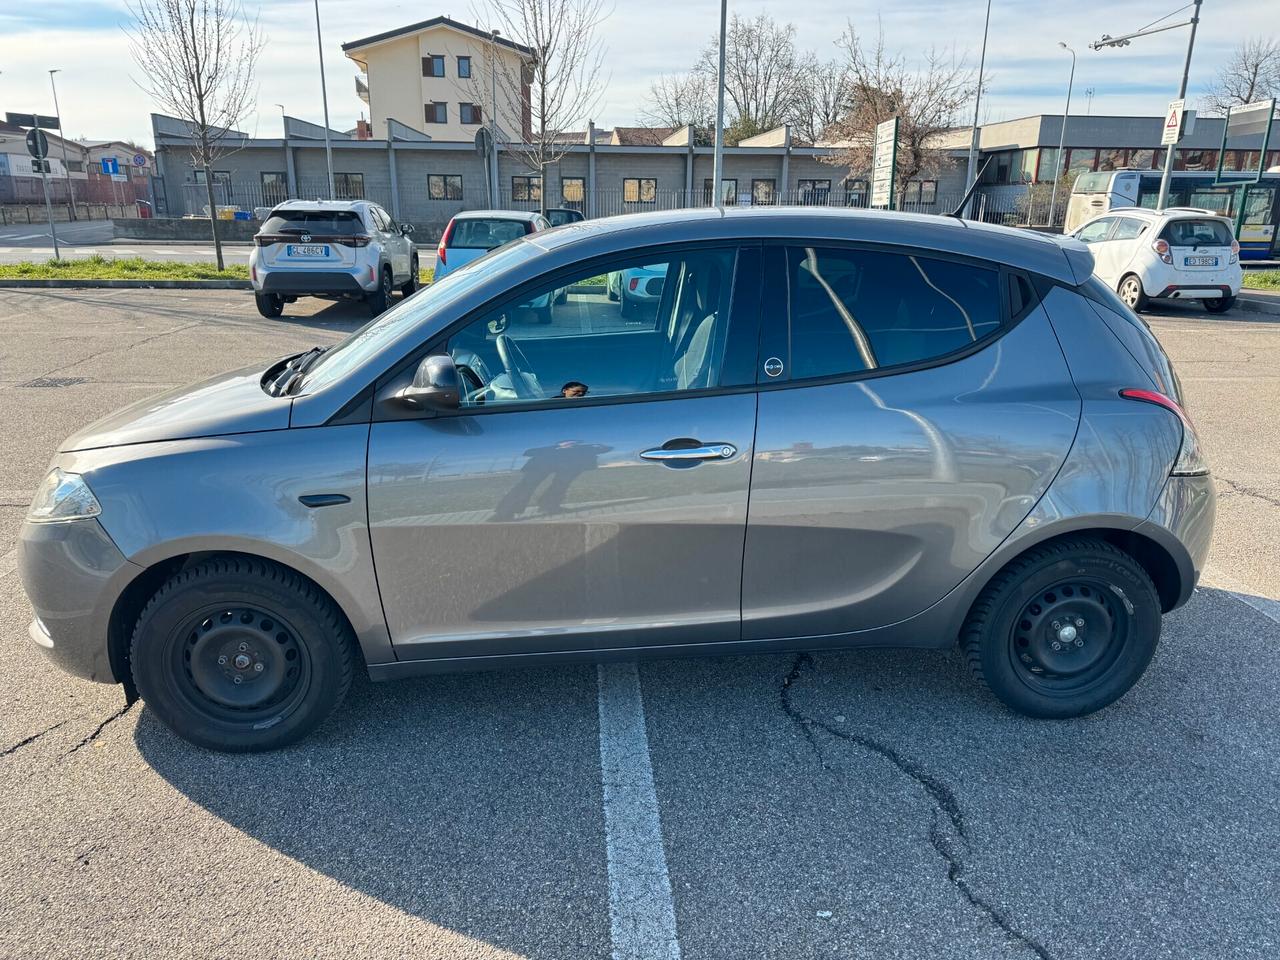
1026	70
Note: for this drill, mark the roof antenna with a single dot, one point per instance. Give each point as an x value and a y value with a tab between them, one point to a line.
969	193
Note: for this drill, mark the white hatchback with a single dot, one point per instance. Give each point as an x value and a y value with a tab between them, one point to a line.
1179	253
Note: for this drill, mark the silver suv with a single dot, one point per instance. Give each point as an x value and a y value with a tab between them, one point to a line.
339	249
832	429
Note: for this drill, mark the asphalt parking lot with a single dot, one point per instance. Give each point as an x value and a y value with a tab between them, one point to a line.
865	804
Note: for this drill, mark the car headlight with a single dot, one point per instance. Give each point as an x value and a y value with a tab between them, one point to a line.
63	496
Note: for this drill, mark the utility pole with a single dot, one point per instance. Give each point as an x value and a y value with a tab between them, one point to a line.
1109	41
717	163
977	103
1058	164
71	192
324	96
493	116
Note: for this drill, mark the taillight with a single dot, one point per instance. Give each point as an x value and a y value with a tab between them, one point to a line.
1191	461
1235	251
635	282
1161	247
444	242
359	240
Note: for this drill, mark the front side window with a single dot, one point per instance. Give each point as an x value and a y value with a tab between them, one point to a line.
526	188
639	190
637	328
1096	231
853	311
444	186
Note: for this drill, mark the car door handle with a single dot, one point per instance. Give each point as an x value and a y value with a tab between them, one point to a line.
706	451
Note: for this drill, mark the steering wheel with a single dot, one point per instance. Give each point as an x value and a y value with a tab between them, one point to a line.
517	367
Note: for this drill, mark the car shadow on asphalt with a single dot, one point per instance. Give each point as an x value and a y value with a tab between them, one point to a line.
472	801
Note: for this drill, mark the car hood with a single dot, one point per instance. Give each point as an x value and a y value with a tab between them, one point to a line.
229	403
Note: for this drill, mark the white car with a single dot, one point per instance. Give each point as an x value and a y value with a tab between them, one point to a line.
336	249
1179	253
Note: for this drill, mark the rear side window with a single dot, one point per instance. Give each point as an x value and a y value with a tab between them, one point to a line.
1128	228
858	310
485	234
1197	233
335	223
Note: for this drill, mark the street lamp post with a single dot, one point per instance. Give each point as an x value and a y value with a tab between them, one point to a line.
977	102
1109	41
71	192
717	161
1058	167
324	96
493	117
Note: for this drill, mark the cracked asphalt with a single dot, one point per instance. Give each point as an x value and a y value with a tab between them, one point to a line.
862	804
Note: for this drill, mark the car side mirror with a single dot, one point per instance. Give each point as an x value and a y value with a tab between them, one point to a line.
434	387
406	228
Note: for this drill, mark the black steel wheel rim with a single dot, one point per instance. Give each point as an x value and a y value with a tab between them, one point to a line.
240	663
1070	635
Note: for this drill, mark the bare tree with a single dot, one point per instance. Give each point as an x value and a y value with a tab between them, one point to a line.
677	100
823	97
926	98
197	59
1252	73
558	89
764	75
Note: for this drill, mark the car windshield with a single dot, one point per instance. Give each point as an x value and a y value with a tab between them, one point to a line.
477	234
1198	233
364	343
339	223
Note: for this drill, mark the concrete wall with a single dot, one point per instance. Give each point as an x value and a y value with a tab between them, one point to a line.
166	228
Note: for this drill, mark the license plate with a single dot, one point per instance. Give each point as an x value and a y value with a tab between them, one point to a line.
306	250
1200	261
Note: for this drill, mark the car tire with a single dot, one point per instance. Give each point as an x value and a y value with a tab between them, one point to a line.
378	300
1219	304
298	649
1093	601
410	286
608	292
562	296
1131	292
270	305
626	308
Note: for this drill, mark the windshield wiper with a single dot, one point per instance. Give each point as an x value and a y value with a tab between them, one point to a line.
292	371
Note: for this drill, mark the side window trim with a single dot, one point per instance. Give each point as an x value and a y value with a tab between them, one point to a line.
516	295
776	302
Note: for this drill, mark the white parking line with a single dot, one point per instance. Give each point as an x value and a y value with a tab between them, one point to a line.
642	915
1213	577
8	563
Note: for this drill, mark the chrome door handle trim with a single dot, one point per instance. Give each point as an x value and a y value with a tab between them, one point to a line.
710	451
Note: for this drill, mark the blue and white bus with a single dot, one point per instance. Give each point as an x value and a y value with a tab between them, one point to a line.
1096	193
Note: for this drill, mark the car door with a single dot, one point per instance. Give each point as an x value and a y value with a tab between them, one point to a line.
1095	234
392	242
590	491
1113	256
910	417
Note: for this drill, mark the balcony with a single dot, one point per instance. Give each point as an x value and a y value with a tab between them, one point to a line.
362	89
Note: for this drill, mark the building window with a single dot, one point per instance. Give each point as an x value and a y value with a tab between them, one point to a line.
436	113
574	191
348	186
433	65
526	188
639	189
275	187
469	113
1203	159
855	193
764	191
728	192
920	191
1081	161
444	186
1141	159
464	68
75	166
814	191
221	184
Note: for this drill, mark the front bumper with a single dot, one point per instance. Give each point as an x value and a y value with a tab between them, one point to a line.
1182	520
73	573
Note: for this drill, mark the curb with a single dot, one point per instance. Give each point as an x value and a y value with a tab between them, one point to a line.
1252	305
64	283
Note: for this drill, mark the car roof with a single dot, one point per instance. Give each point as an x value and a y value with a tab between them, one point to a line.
523	216
1166	213
353	205
1062	258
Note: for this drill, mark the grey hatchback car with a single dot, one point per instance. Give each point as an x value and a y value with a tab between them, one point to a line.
836	429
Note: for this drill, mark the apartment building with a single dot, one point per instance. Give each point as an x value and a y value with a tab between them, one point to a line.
443	79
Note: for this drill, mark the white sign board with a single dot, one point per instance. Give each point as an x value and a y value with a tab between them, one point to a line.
883	162
1173	122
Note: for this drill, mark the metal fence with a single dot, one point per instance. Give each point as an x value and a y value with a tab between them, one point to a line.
430	212
11	213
